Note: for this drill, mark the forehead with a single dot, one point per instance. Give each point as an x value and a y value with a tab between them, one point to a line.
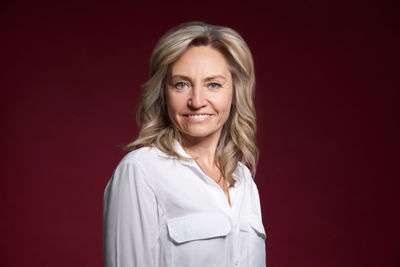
200	60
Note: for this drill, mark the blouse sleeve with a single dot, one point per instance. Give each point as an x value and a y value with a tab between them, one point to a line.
130	218
257	200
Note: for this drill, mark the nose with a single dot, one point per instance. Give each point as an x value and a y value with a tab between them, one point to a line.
197	99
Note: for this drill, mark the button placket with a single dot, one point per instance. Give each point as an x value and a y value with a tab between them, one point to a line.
235	239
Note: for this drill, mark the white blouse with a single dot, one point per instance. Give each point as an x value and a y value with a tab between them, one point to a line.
159	211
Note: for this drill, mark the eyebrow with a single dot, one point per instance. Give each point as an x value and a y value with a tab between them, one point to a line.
183	77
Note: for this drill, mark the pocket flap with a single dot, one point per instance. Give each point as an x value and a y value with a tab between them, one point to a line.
198	226
258	227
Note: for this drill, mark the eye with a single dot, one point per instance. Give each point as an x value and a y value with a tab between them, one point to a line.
214	85
180	85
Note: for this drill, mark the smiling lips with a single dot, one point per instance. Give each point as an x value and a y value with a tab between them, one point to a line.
197	117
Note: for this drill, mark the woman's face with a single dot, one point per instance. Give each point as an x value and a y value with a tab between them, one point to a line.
199	93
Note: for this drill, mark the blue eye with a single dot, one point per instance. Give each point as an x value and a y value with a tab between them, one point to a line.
180	85
214	85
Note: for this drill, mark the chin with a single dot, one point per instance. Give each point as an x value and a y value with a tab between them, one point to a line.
200	133
197	134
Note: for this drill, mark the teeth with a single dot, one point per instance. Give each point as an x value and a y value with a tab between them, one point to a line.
198	116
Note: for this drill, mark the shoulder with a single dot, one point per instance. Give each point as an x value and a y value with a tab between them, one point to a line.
136	161
146	160
139	155
131	170
243	174
145	157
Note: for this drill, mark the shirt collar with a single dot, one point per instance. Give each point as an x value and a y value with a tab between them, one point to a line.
179	149
190	161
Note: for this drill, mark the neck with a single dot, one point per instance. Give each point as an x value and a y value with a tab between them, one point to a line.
202	149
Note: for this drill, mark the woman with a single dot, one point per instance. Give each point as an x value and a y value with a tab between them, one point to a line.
186	197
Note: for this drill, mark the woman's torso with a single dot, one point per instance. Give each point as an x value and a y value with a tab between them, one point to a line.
196	224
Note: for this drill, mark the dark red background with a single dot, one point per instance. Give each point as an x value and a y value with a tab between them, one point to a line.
327	94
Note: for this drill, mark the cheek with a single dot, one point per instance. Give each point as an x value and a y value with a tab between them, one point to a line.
225	103
175	103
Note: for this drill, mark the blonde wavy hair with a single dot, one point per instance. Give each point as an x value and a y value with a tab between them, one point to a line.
237	140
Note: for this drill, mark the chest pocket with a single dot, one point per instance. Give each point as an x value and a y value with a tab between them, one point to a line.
252	235
199	239
258	227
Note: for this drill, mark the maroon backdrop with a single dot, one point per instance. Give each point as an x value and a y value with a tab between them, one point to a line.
327	90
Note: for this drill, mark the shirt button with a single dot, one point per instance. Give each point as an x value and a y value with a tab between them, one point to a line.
236	263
